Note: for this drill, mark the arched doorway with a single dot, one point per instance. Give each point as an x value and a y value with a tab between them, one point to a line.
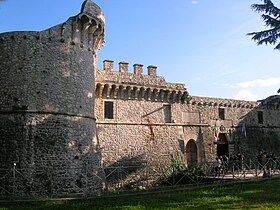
222	145
191	152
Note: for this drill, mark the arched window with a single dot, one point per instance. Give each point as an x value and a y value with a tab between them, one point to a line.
191	152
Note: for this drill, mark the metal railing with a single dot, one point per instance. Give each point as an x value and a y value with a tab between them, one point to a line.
121	177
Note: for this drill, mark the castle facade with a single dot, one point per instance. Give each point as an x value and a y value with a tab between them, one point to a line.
64	123
144	118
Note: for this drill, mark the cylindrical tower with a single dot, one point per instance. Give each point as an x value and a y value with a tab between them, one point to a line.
47	124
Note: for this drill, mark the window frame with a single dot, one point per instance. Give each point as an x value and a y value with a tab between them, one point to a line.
167	113
108	110
221	113
260	117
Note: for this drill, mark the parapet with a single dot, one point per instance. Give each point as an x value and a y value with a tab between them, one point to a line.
36	66
93	11
85	30
108	66
47	82
221	102
123	76
124	85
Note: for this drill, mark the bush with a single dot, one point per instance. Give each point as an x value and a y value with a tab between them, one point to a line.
178	173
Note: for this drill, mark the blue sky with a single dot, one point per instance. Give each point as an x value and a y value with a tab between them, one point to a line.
200	43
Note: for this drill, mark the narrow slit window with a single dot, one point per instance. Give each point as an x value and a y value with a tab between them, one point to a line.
108	110
221	113
167	113
260	117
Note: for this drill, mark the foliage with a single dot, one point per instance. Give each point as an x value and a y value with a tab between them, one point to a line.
179	173
195	171
271	17
254	195
176	167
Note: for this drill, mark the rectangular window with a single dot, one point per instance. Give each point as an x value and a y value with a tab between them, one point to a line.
108	110
167	113
221	113
260	117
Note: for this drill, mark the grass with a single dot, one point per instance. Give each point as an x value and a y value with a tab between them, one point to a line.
255	195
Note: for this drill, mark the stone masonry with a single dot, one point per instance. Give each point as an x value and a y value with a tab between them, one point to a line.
47	122
66	127
138	131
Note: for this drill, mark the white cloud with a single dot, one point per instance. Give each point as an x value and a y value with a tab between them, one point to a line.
246	94
256	89
258	83
194	2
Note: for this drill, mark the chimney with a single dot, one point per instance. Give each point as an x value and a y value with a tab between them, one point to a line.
152	71
123	67
108	65
138	69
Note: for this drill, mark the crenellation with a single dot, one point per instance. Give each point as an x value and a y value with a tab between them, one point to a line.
54	105
53	81
152	71
138	69
123	67
108	65
123	76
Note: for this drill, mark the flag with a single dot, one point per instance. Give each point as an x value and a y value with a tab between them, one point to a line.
243	130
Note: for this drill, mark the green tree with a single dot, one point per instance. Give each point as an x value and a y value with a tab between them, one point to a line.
271	17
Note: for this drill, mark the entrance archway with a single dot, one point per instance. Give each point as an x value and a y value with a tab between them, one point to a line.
191	152
222	145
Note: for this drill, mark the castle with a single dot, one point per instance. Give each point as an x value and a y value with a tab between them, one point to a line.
63	122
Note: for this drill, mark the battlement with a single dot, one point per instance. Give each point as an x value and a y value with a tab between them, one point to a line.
47	82
123	76
85	31
221	102
124	85
108	66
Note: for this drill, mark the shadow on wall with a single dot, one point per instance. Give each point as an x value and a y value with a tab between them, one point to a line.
48	154
259	130
126	172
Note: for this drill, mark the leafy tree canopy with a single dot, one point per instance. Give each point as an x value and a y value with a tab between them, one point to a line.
271	17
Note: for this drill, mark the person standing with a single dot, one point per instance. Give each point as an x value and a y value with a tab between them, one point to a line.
217	166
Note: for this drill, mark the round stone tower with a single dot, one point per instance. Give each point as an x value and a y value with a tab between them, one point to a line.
47	124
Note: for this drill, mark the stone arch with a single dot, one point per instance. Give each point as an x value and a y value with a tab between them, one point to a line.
148	94
128	92
184	97
154	95
120	92
141	93
191	152
134	92
167	95
223	145
173	96
98	90
113	91
179	96
105	91
161	95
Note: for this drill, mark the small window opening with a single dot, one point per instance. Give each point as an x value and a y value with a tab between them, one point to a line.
167	113
260	117
108	109
221	113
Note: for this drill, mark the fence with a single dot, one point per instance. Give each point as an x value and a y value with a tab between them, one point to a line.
122	177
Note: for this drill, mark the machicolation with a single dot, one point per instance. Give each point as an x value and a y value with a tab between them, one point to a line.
47	121
67	127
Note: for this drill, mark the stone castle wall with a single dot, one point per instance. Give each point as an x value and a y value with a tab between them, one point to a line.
47	121
56	139
138	128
